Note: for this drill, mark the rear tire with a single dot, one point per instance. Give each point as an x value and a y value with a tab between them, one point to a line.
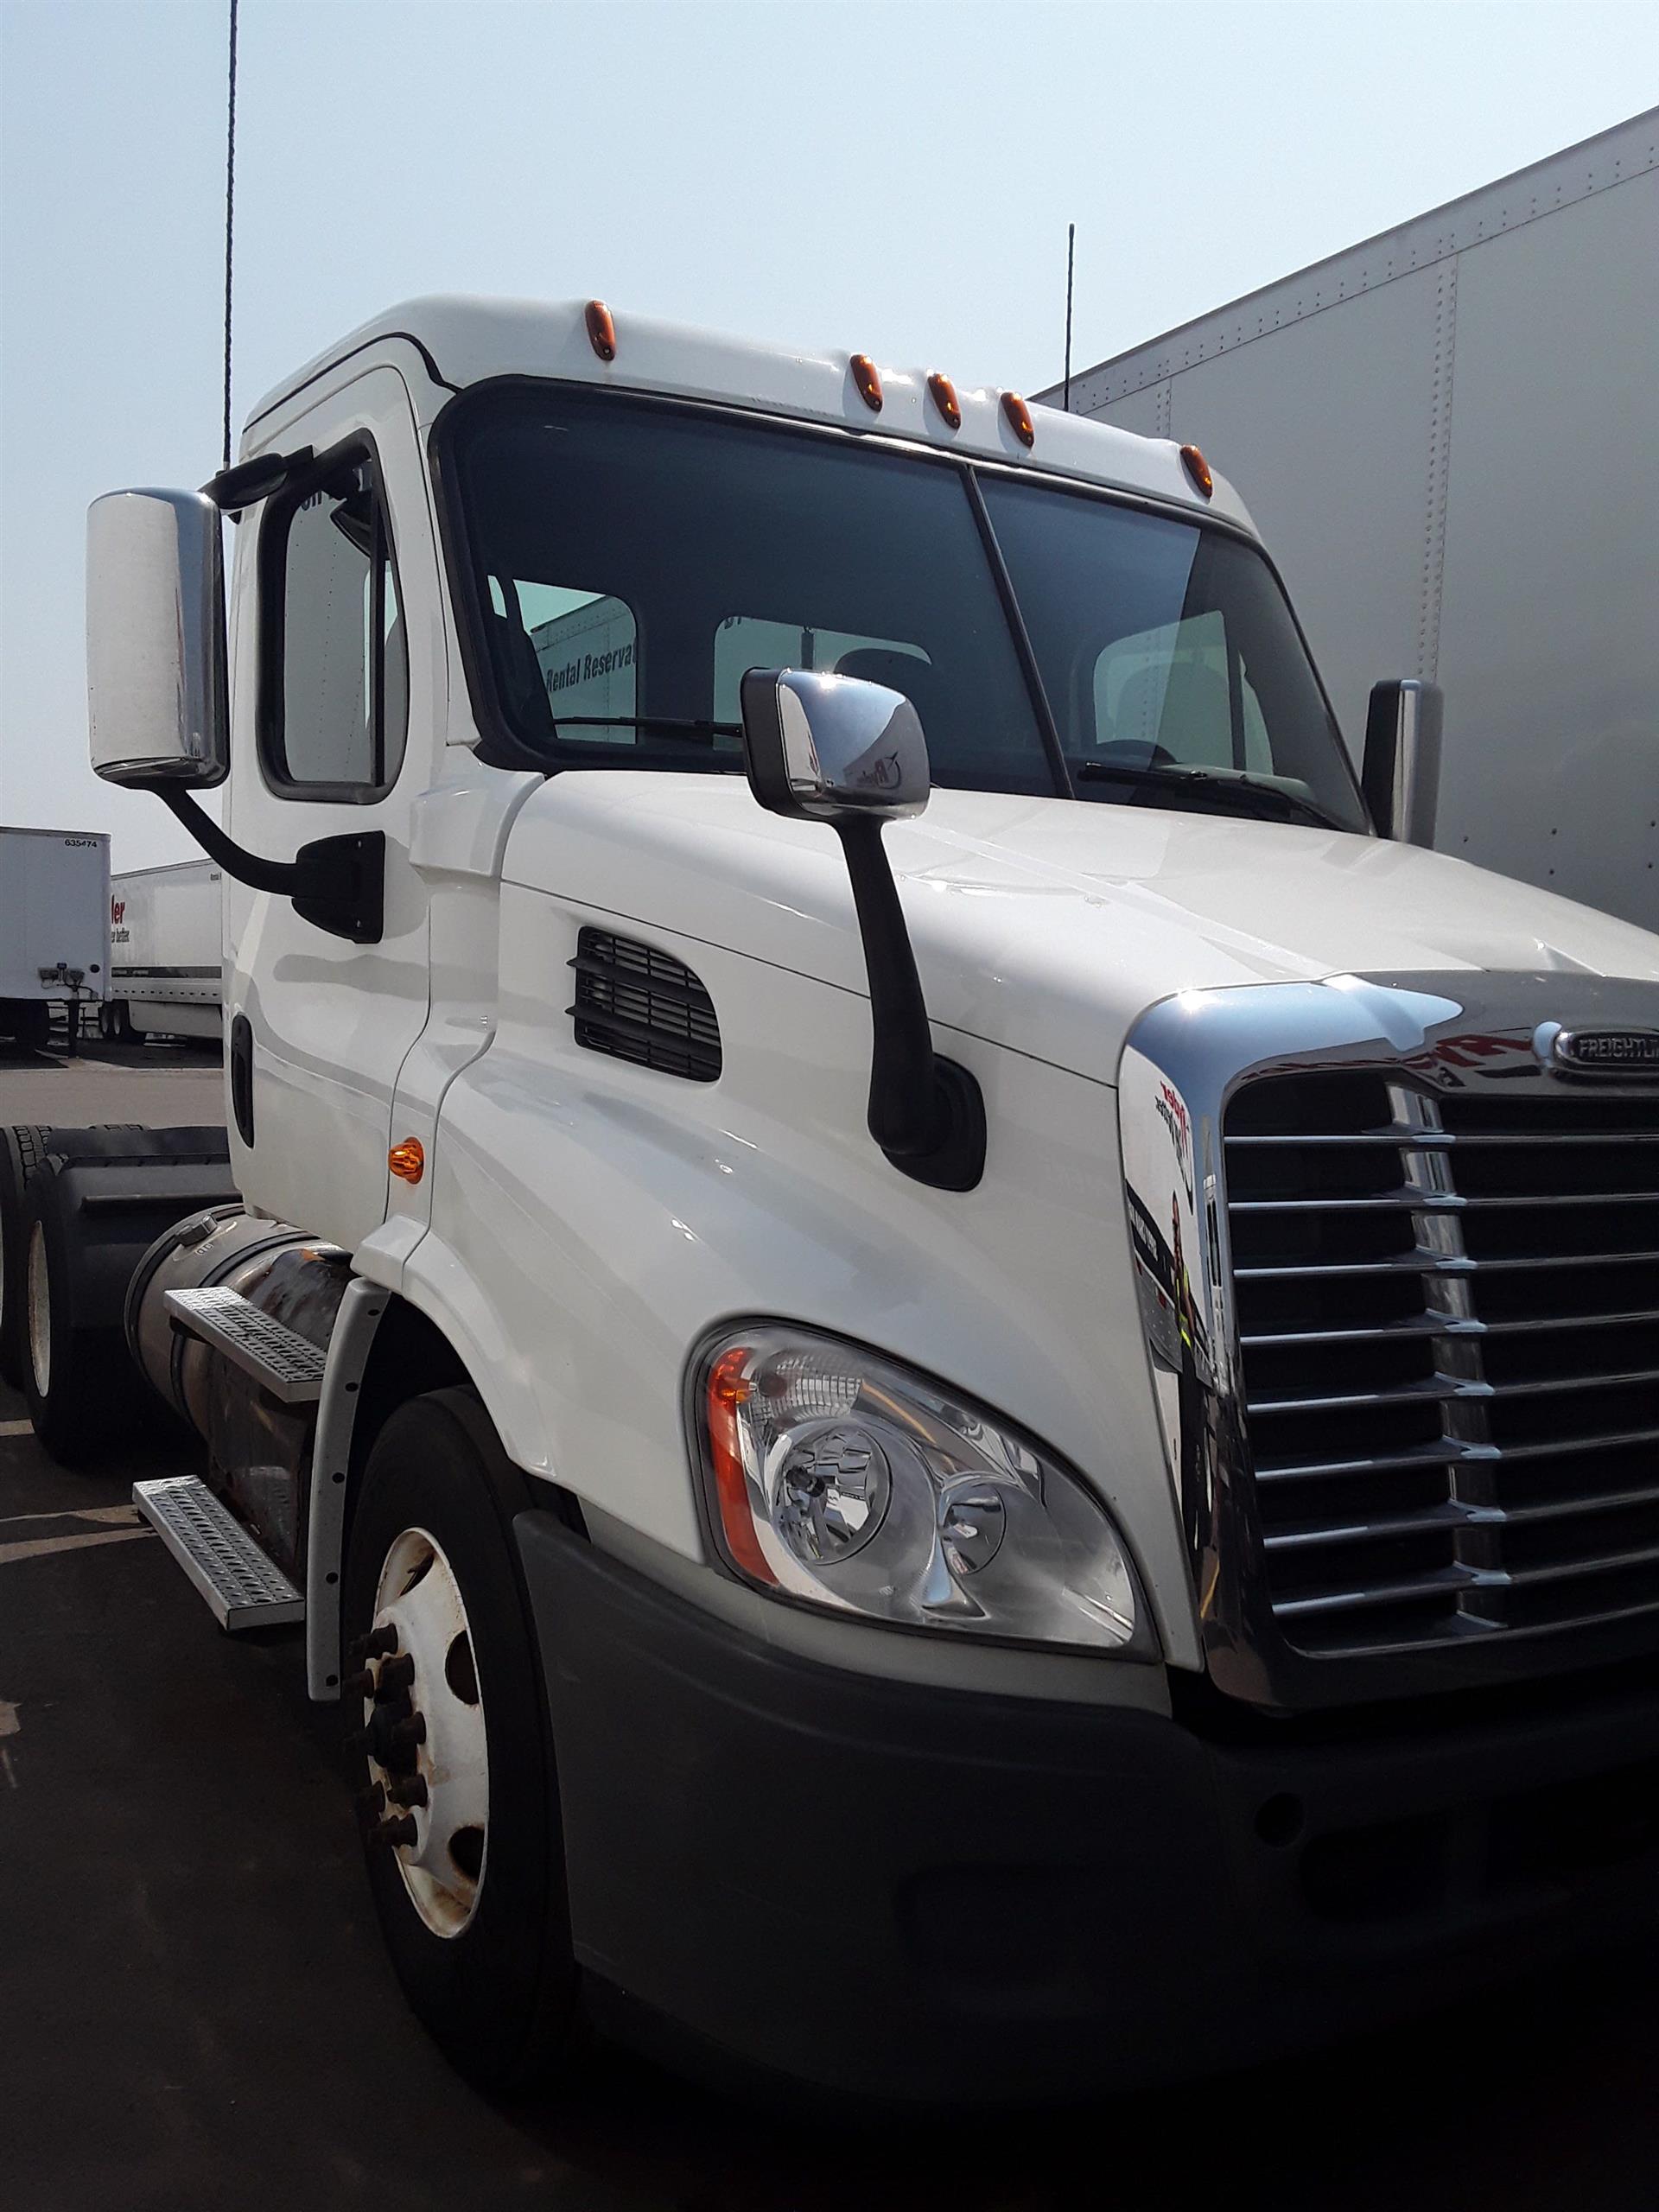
25	1148
485	1962
79	1382
23	1152
31	1025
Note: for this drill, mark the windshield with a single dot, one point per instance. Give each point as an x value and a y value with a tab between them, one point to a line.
629	561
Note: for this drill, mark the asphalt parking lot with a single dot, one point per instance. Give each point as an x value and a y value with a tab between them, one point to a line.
195	2011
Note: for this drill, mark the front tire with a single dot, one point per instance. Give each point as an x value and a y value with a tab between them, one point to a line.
449	1746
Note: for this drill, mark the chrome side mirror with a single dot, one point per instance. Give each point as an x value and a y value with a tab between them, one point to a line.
819	746
158	699
849	753
1401	774
155	682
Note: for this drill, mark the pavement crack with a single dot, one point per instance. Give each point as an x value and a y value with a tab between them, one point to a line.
119	1516
42	1547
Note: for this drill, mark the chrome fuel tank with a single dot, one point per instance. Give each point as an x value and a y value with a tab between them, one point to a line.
258	1451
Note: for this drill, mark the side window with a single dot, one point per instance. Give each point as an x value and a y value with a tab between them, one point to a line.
335	683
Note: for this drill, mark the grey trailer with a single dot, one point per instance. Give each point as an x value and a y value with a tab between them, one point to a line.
1449	437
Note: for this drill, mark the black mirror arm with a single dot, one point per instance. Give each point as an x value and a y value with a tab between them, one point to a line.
338	883
282	876
247	482
927	1113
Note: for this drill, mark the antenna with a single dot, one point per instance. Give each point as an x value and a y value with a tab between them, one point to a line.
230	208
1070	245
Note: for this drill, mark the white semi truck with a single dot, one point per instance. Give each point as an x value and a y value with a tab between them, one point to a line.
1447	436
959	1417
165	928
55	894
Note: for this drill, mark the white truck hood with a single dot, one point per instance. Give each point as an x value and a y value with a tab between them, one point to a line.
1048	925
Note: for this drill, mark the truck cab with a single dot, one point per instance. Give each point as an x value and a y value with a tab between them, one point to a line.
986	1358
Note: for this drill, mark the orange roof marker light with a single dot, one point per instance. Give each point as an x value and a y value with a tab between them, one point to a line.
944	398
868	378
601	329
1019	418
407	1161
1198	469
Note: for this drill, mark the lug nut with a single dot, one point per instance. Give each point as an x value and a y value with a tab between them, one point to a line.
404	1735
360	1684
411	1790
392	1832
395	1675
377	1645
387	1742
371	1804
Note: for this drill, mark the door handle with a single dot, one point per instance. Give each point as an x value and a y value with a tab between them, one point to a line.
242	1076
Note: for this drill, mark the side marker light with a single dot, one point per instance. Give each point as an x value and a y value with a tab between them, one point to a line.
729	1389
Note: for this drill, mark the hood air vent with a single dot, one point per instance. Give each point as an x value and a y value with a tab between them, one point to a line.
640	1004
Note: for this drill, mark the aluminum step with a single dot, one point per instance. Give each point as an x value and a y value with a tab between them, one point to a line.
242	1588
289	1366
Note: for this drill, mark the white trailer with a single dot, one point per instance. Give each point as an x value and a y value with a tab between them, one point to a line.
1447	437
55	888
164	952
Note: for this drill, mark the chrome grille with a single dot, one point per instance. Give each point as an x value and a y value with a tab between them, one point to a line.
1448	1314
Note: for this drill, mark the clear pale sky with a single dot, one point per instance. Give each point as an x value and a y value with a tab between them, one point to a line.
894	178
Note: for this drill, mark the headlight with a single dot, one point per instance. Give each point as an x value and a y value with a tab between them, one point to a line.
836	1476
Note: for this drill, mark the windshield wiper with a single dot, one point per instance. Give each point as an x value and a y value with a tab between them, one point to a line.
1250	788
690	728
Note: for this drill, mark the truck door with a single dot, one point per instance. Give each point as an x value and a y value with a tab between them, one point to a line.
338	578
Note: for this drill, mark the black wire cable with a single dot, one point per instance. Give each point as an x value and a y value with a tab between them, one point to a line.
230	209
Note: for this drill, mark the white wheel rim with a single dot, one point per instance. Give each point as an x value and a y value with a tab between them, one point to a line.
39	1310
419	1599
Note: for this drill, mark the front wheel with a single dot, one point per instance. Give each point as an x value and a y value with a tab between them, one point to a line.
449	1746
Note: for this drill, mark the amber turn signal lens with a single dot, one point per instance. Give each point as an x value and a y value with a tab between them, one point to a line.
601	330
1018	417
1198	469
729	1387
944	398
408	1160
868	378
